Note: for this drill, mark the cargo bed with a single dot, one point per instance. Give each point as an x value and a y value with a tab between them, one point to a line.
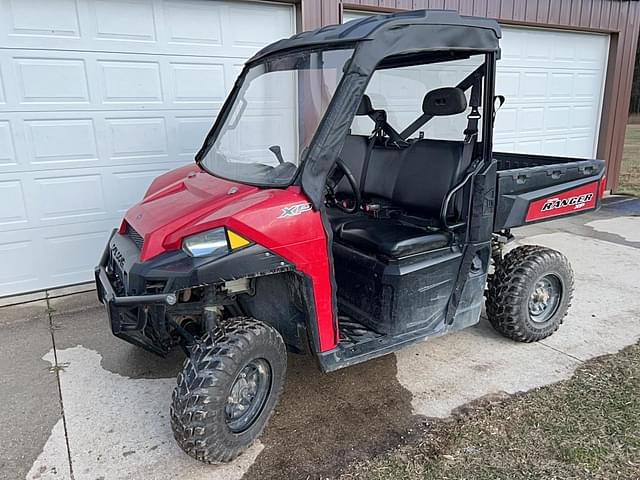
534	188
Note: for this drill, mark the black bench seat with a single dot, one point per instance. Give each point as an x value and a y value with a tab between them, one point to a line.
386	236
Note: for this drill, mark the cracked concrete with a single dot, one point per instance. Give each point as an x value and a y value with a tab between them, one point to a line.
114	398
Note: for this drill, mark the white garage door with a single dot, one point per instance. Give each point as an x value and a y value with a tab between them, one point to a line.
553	82
98	97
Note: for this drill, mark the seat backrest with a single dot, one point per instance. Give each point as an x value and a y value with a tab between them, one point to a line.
416	178
353	153
428	170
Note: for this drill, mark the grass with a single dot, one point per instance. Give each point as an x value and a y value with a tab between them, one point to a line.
630	171
587	427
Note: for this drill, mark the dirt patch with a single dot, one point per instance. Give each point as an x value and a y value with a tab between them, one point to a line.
325	422
630	169
587	427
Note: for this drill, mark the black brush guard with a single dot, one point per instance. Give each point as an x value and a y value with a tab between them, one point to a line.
137	319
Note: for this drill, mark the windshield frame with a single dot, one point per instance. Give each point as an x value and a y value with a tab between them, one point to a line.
230	101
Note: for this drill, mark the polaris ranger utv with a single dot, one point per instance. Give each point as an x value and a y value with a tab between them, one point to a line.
346	202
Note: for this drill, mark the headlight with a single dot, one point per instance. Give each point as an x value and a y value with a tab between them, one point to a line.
213	243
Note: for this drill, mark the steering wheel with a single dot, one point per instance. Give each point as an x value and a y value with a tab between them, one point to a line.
339	171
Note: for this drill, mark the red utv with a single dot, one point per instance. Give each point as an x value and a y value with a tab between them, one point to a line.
346	202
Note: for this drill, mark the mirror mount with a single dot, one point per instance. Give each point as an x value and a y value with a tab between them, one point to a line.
277	151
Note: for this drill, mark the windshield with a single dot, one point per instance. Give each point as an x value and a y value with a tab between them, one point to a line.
274	116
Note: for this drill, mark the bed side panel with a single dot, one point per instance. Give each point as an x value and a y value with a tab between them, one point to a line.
533	188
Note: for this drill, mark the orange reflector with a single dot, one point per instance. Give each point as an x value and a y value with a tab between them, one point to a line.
236	241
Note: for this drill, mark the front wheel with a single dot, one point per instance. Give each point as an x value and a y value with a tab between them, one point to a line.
529	293
228	389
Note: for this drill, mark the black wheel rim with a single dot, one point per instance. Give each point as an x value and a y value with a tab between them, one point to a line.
248	395
545	298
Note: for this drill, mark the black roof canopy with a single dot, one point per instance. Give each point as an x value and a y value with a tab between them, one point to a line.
412	31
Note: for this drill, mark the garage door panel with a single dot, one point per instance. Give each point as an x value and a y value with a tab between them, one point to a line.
190	132
117	86
19	265
198	82
46	18
531	120
258	32
7	150
508	83
13	210
74	250
72	198
124	20
588	86
61	141
189	23
533	85
561	85
506	122
145	26
66	79
137	138
557	118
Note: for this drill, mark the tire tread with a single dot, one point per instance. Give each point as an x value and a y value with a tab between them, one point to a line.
196	413
508	286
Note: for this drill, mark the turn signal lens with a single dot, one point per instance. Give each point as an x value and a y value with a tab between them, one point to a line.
214	243
236	241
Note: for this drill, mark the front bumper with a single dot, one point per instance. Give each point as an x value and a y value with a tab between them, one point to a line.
107	293
137	319
140	317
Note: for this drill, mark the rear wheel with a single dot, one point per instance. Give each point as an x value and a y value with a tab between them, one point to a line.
529	293
228	389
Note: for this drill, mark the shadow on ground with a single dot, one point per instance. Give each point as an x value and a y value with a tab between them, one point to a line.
326	421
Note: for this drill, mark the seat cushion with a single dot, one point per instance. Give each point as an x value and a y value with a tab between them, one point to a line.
389	237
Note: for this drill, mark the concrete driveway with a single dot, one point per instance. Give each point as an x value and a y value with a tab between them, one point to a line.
77	403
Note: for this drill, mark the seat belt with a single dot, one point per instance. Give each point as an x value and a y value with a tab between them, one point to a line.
471	137
471	132
379	118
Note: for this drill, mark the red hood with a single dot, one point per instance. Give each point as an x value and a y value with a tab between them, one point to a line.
180	198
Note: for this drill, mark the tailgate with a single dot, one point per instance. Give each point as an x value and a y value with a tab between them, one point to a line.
533	188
